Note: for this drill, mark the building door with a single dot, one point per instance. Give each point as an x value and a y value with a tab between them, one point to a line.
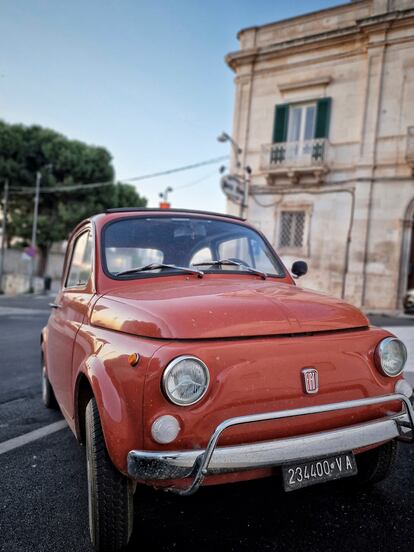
410	283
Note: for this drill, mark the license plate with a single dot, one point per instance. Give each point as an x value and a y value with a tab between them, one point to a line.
311	472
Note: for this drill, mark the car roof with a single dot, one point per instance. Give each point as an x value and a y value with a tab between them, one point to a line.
153	210
169	210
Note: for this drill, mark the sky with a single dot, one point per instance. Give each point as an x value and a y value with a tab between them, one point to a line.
145	79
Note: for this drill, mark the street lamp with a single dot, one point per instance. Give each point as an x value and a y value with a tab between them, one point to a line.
224	137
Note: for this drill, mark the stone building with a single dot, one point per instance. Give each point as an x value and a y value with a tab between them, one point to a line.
324	114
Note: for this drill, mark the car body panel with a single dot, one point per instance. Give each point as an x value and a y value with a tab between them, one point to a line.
102	357
63	325
256	336
263	375
221	307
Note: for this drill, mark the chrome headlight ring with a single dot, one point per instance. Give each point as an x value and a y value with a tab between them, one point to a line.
185	380
391	356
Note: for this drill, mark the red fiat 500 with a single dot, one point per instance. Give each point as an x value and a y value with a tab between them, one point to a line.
182	353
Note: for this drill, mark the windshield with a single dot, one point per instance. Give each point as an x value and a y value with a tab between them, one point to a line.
133	243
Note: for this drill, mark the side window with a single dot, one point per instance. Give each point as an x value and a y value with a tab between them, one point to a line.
81	262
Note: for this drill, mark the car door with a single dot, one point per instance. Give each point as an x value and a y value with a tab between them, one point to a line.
68	313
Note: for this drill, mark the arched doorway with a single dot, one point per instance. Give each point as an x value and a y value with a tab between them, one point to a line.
406	279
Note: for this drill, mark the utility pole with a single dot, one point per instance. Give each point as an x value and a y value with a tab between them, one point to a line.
34	231
3	231
246	185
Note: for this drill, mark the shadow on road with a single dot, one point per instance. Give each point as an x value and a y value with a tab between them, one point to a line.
260	516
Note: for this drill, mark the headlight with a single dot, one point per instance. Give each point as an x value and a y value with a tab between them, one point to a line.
185	380
390	356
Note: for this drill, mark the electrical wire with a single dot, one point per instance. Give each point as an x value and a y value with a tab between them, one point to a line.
179	169
86	187
189	184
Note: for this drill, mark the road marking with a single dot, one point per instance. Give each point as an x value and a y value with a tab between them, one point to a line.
17	442
8	311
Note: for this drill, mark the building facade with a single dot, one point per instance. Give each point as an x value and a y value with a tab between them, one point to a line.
324	115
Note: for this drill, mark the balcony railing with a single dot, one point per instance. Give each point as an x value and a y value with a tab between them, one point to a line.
290	155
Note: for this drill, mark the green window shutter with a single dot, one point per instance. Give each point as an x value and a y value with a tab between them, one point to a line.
280	123
323	115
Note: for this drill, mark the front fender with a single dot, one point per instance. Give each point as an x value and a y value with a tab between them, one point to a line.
117	387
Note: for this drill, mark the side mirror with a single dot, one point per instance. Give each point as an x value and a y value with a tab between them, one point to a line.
299	268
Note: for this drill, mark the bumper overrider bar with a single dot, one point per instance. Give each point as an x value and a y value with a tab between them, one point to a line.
196	464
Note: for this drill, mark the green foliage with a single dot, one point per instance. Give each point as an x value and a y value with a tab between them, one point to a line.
26	150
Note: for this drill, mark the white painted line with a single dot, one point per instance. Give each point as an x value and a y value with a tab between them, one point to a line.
17	442
9	311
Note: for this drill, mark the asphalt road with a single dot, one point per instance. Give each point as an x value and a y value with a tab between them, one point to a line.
43	501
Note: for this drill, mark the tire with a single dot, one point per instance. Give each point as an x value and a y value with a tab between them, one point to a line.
48	396
377	464
110	493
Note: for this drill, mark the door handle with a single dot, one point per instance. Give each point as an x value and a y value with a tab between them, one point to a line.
55	306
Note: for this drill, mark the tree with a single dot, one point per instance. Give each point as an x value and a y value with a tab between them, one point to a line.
62	163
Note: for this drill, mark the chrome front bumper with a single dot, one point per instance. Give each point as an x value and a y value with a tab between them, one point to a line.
196	464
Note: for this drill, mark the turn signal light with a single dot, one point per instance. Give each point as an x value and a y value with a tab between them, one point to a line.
133	359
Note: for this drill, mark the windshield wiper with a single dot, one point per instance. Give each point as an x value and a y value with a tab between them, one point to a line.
155	266
229	262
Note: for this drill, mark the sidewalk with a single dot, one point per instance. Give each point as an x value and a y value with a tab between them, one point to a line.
406	334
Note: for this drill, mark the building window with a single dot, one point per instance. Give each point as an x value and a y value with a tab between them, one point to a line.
301	126
300	122
292	229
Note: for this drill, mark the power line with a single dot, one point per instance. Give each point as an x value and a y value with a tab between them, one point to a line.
179	169
193	183
85	187
28	190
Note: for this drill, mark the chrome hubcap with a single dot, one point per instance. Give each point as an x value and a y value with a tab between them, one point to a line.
44	384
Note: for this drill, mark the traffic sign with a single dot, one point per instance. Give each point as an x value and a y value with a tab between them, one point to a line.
233	188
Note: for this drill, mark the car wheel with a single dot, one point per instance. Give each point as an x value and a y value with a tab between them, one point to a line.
110	493
48	396
377	464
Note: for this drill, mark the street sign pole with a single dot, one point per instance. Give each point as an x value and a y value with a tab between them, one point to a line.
3	231
246	185
34	231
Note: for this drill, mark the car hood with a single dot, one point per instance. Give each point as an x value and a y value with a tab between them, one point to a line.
220	307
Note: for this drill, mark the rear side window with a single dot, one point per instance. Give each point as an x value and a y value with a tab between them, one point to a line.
80	269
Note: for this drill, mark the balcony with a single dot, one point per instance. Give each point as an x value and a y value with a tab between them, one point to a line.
303	162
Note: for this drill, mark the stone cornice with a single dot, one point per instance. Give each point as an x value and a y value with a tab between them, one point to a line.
359	29
350	6
385	19
241	57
